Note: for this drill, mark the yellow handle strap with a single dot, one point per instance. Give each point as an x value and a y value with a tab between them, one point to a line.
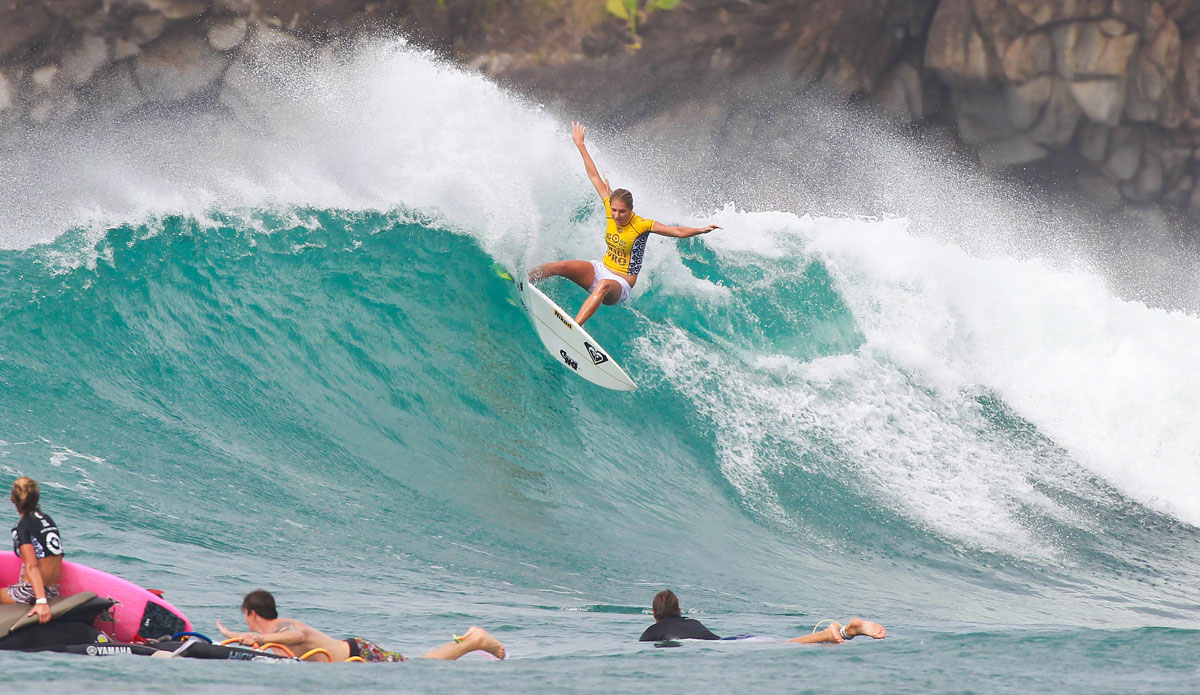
314	652
281	647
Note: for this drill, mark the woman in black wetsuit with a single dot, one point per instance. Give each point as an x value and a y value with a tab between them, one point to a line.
37	542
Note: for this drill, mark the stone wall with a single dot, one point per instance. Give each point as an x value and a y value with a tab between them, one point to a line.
1102	95
1113	81
65	60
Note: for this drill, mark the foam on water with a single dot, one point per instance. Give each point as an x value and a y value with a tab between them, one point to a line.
1110	381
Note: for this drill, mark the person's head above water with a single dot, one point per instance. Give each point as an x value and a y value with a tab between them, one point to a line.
666	605
261	603
25	495
622	206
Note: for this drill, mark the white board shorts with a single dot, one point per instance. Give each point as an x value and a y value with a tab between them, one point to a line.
599	272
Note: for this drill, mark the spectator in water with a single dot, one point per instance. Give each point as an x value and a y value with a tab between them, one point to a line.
266	625
669	624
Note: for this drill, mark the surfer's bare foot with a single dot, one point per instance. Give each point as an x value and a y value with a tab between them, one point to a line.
478	638
831	634
858	626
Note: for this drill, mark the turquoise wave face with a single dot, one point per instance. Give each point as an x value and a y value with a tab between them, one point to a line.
282	388
359	374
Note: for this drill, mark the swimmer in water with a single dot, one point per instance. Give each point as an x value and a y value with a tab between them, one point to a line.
669	624
258	608
609	281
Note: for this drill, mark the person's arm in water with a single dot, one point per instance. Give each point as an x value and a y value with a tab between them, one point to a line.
33	574
285	634
681	232
577	133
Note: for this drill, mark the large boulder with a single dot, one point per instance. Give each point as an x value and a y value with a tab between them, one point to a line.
1027	57
178	66
1059	118
21	24
956	49
145	28
1125	153
1154	71
227	34
1026	100
1189	64
1086	50
1101	99
88	56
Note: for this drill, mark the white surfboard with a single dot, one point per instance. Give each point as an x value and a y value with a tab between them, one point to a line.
569	344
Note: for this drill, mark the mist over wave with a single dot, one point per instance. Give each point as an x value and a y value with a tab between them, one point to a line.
309	284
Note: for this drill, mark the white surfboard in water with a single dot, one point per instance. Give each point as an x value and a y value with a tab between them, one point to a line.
569	344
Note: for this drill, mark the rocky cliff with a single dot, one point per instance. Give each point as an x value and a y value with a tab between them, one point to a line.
1102	95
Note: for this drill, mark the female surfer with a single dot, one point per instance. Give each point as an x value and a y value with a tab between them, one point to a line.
37	543
610	280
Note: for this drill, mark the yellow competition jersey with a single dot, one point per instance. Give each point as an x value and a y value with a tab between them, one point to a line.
627	244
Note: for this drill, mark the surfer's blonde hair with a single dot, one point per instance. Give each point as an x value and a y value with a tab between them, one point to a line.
25	495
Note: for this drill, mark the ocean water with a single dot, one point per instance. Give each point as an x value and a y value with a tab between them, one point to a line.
282	357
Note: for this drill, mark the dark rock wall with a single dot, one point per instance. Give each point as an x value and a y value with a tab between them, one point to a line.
1099	95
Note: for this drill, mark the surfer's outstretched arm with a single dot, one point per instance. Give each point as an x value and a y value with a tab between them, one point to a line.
681	232
577	133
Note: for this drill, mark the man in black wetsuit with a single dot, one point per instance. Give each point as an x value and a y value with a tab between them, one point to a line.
669	624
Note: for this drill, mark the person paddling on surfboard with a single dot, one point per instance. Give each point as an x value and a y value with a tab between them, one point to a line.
610	280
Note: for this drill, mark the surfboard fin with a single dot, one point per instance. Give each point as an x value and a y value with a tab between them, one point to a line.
501	272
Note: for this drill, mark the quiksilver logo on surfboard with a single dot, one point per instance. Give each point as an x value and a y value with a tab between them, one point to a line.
597	356
568	361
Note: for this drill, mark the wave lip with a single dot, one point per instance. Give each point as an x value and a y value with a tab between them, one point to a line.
1106	379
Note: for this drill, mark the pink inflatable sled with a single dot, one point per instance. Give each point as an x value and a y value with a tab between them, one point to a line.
136	607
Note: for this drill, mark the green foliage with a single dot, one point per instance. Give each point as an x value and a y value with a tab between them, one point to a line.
631	12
